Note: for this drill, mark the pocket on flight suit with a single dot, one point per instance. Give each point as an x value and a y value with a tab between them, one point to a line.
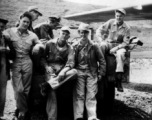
27	45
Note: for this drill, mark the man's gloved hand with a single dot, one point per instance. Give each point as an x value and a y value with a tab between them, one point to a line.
61	76
48	70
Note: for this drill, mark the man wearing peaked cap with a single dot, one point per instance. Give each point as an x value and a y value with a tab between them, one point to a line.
45	30
59	63
91	67
54	17
84	27
4	68
116	42
121	11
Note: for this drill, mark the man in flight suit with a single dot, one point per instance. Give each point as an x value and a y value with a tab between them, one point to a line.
117	41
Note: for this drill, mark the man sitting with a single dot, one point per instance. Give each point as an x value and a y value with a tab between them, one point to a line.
118	40
59	63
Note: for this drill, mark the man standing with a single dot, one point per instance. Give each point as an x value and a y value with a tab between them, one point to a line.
59	63
118	39
45	30
21	41
91	67
4	68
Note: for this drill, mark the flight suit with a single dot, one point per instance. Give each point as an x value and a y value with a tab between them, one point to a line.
22	66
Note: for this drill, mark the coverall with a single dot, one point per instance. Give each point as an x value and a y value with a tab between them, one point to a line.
118	36
56	60
22	64
87	58
4	73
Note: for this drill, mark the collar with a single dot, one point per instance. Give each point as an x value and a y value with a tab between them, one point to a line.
25	32
123	25
89	43
56	42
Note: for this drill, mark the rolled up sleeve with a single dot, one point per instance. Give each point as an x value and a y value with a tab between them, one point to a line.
71	58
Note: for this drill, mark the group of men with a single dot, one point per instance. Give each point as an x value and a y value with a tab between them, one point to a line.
35	50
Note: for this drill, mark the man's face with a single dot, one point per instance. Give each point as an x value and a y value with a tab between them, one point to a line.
35	15
54	23
64	35
119	17
2	26
24	23
83	34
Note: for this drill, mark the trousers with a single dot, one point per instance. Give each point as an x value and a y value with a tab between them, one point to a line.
85	97
51	107
3	84
21	81
120	54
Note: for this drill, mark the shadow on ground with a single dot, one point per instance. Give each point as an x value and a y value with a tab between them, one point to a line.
138	87
122	112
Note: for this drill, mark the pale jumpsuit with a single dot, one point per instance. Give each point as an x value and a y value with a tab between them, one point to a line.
22	65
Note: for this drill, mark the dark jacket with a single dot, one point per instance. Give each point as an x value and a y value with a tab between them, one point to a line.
96	60
44	31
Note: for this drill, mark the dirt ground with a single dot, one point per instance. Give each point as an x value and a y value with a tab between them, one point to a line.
129	105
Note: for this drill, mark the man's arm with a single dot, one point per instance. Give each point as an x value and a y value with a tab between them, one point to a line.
125	39
69	64
44	58
104	27
101	60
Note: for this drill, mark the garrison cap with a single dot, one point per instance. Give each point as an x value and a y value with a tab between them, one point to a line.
121	11
83	26
65	28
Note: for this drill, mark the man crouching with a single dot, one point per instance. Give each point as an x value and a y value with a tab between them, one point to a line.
58	62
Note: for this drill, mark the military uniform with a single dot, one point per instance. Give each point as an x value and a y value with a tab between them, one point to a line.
56	60
21	44
87	58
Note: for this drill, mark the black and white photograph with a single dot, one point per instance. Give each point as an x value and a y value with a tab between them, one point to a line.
75	59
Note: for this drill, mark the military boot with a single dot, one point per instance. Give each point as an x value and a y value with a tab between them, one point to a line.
119	81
